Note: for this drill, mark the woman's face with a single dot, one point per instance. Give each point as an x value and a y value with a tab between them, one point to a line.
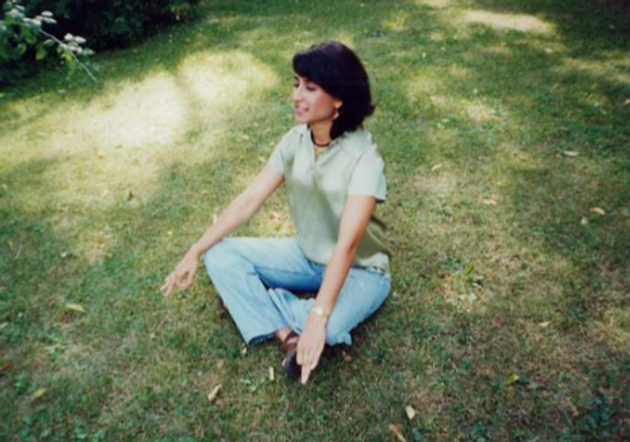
311	103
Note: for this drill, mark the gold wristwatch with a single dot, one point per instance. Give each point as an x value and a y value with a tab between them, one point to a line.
319	311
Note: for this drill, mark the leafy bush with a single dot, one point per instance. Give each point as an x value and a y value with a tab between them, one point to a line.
114	23
24	41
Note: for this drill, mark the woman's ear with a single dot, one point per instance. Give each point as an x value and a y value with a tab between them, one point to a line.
337	104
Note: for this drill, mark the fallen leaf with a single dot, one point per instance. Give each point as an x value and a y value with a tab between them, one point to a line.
490	202
513	379
220	363
38	394
6	366
597	210
75	307
213	394
244	350
397	432
584	221
411	413
436	167
533	385
272	376
544	324
570	153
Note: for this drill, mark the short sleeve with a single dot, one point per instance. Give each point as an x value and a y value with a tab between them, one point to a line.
278	159
368	177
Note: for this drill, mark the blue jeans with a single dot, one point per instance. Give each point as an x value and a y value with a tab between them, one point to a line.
256	278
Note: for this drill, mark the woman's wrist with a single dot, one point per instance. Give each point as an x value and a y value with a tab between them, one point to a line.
317	320
319	315
320	311
195	251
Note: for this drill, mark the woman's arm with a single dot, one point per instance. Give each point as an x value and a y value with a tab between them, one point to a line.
354	221
240	210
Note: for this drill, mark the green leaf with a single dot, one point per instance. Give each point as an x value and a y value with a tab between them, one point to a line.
21	49
41	53
30	38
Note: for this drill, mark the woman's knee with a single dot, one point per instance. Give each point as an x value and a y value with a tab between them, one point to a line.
220	255
337	331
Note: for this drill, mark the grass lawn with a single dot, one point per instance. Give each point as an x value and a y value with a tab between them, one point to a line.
504	125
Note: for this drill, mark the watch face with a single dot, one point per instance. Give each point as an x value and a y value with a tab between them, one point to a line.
319	311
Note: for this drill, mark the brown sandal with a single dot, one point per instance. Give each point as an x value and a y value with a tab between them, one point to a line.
222	308
289	347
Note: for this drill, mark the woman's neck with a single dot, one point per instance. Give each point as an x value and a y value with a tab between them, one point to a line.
321	132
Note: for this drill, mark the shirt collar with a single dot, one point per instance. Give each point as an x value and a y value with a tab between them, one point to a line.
305	129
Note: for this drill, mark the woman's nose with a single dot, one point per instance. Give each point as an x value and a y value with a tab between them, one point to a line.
297	93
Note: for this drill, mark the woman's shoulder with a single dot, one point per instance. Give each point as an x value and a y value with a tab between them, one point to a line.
360	142
292	137
297	130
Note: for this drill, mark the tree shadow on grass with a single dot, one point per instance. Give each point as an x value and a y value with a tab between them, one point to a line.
487	92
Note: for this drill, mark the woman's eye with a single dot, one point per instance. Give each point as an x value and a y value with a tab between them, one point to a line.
311	88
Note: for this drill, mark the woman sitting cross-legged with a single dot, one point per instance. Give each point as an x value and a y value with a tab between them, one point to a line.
334	178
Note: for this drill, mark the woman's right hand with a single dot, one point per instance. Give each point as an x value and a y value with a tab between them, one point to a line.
183	275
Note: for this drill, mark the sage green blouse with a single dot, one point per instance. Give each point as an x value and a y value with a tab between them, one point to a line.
317	188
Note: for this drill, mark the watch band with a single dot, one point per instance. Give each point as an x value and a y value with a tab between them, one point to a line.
319	311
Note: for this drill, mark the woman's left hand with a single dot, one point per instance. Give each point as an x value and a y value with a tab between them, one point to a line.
311	345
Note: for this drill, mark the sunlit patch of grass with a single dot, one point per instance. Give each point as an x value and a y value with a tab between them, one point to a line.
398	22
511	22
598	70
439	4
112	149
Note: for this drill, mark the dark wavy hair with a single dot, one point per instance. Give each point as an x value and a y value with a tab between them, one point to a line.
336	68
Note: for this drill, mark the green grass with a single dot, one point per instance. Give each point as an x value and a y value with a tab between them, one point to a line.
509	318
